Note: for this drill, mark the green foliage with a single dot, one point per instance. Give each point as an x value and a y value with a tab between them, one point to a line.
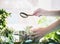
53	37
3	16
4	30
43	19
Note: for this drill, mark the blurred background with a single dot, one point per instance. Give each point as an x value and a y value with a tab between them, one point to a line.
28	6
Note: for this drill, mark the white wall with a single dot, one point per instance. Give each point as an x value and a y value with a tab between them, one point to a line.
28	6
44	4
56	4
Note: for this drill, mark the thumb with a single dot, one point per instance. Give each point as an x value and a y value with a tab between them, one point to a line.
38	12
34	29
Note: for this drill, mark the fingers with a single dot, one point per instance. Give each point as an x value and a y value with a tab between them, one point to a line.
35	33
37	36
38	12
34	29
38	32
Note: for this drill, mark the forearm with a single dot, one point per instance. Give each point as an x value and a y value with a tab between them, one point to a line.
40	32
43	12
51	13
53	26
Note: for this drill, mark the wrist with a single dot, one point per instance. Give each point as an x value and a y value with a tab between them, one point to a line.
59	21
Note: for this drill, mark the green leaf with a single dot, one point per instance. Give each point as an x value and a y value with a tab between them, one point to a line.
43	19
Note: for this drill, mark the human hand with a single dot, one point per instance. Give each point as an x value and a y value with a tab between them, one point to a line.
38	32
42	12
39	12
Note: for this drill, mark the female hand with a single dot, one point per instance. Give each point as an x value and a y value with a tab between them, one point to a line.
40	32
42	12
